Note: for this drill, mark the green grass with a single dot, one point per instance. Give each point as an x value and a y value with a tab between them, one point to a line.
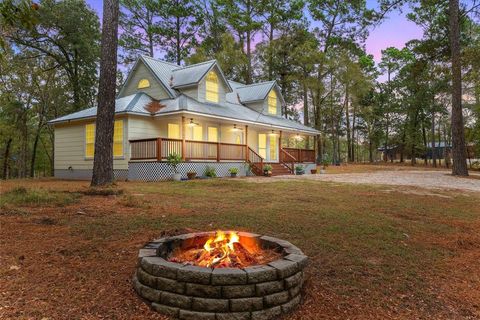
21	196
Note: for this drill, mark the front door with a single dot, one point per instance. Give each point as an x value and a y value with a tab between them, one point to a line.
268	147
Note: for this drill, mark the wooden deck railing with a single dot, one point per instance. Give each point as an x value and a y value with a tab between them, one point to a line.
287	160
301	155
255	161
159	149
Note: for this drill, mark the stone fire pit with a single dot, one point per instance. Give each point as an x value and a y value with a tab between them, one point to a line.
192	292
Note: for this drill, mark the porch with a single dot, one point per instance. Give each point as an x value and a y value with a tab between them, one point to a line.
158	149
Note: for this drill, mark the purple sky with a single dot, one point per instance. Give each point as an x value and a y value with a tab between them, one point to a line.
395	31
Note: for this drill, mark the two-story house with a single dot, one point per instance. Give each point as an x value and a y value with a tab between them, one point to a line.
193	111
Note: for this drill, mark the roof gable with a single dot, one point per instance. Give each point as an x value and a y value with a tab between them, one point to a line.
257	91
193	74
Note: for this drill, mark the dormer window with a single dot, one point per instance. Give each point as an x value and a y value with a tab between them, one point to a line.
212	87
272	102
144	83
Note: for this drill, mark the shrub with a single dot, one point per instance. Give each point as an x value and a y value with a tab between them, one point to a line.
174	159
300	170
210	172
267	167
233	170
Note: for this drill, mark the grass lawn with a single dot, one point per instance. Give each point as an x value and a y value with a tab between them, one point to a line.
65	254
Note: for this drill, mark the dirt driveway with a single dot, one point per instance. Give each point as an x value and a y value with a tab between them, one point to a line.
425	179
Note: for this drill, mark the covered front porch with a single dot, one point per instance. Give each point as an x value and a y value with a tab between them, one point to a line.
199	139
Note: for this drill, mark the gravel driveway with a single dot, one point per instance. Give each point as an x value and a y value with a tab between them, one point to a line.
424	179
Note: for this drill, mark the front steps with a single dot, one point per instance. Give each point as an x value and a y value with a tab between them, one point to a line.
279	169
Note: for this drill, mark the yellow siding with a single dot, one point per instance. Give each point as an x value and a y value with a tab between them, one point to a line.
70	148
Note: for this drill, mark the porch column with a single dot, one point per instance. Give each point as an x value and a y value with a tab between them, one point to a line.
246	143
315	139
280	139
184	147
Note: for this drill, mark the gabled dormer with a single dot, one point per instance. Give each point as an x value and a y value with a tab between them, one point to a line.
150	76
204	82
264	97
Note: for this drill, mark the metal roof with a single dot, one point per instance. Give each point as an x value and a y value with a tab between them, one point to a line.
136	103
191	74
163	71
257	91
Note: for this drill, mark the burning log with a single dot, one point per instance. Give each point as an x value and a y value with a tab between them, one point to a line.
223	251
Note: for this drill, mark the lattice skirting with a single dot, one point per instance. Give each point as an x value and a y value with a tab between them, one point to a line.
86	174
156	171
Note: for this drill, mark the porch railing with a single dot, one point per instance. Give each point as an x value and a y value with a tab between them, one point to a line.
287	160
300	155
159	149
255	161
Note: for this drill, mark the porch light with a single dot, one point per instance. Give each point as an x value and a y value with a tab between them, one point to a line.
191	123
235	129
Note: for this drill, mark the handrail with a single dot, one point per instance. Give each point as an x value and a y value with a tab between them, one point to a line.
289	165
256	169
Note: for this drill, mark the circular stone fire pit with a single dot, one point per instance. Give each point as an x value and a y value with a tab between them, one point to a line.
191	292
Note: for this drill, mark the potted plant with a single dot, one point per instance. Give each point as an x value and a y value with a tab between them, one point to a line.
313	171
299	170
191	175
267	170
325	164
174	160
210	172
233	172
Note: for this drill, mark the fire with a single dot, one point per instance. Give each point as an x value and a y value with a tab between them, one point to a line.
223	250
220	249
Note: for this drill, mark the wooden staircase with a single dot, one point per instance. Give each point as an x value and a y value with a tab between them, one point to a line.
279	169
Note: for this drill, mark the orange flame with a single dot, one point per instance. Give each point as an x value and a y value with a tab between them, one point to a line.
223	245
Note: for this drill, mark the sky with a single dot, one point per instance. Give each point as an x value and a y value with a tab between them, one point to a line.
395	31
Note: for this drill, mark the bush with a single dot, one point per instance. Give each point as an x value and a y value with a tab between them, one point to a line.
174	159
476	165
233	170
210	172
300	170
267	167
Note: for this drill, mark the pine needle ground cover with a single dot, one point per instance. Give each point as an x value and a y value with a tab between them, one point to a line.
68	254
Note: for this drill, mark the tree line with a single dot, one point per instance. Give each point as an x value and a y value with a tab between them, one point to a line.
314	49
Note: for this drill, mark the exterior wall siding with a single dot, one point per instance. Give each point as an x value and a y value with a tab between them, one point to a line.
70	148
262	106
155	90
86	174
199	93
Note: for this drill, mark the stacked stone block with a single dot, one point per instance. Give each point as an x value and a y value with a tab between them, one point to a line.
191	292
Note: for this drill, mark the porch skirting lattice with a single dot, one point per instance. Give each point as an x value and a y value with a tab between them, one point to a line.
157	171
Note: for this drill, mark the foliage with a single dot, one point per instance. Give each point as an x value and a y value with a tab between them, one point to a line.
210	172
267	167
299	170
21	196
233	170
174	159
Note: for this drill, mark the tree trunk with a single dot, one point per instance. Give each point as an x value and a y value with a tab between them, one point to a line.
459	167
103	159
347	119
434	151
34	151
6	155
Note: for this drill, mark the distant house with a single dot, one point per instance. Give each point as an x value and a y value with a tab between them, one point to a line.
193	111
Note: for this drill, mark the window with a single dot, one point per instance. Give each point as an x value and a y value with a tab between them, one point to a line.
144	83
273	147
173	131
197	133
262	145
118	138
212	87
89	140
272	102
212	134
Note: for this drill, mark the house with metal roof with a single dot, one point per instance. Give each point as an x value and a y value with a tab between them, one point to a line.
194	112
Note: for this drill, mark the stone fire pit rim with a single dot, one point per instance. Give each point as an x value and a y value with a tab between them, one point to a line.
161	247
